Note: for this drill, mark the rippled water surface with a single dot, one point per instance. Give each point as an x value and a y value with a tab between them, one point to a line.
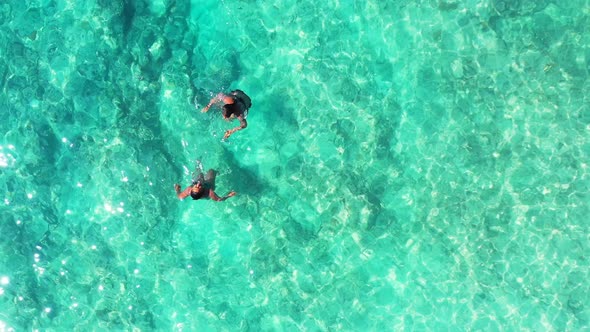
407	165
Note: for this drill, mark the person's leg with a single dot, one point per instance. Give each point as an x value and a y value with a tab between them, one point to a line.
198	172
199	178
210	178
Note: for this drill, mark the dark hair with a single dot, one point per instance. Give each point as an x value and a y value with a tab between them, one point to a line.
225	111
199	194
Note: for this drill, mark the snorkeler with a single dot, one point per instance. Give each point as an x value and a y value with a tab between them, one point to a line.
236	105
202	187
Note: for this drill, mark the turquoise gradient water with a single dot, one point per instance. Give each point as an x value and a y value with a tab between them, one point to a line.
408	165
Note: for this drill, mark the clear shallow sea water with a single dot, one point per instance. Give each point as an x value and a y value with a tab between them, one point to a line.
408	165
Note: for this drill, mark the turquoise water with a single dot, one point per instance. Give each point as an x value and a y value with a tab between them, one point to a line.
408	165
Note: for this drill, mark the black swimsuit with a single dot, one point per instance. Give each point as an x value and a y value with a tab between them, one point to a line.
237	108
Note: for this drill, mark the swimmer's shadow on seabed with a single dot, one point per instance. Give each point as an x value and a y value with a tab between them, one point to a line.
247	184
241	179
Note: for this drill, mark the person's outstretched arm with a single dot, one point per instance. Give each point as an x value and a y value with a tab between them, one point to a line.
219	97
182	194
243	124
214	196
